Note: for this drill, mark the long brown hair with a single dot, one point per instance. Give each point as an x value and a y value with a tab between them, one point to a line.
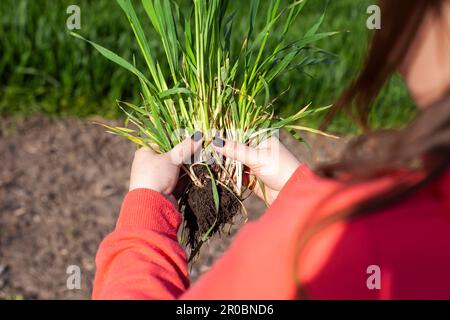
422	146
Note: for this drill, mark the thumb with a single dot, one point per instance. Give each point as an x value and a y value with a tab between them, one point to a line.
237	151
183	152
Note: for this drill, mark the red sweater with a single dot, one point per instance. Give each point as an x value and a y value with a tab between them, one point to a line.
409	242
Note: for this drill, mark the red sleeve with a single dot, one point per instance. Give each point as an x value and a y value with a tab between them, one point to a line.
142	258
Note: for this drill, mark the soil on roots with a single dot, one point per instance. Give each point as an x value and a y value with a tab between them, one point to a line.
199	209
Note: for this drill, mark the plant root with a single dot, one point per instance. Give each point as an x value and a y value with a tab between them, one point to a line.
201	220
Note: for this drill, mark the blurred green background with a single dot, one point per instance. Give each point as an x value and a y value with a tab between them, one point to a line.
45	70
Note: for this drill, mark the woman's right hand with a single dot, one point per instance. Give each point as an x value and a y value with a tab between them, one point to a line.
270	161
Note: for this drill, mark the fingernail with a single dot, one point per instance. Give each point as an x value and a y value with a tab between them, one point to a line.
197	136
218	142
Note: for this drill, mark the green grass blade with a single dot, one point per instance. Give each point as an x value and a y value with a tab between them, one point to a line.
161	16
128	8
315	131
115	58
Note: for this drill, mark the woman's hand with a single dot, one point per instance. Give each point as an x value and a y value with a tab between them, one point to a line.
271	162
160	172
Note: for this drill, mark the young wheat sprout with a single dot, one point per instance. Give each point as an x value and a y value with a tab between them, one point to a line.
206	84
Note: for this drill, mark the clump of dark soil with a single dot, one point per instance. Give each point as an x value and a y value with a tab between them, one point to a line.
199	209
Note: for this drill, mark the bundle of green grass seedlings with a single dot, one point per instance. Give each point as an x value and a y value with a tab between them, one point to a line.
215	89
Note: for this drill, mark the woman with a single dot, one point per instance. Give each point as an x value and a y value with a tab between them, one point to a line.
374	225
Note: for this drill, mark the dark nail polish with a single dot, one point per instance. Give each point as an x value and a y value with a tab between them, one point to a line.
218	142
197	136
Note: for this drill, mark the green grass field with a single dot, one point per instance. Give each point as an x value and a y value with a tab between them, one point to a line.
43	69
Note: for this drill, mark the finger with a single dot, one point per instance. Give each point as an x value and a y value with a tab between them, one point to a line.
237	151
269	143
182	152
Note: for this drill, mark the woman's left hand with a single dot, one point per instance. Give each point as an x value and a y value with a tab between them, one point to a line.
160	172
